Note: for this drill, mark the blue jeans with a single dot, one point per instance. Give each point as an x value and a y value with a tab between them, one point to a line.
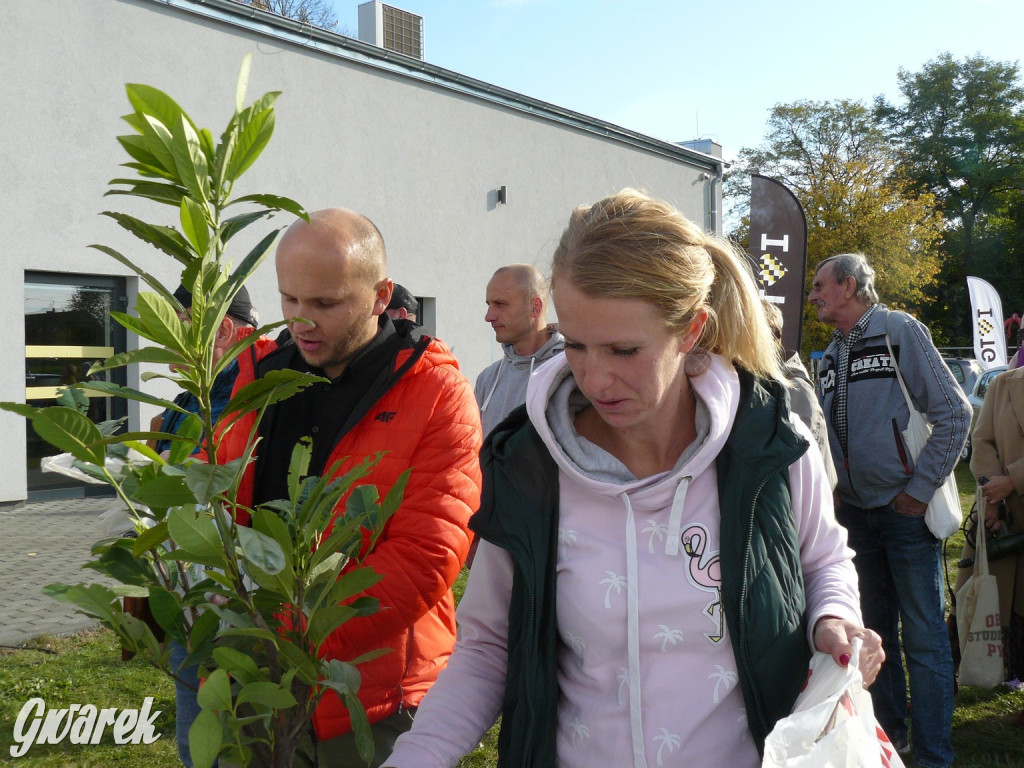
187	706
899	564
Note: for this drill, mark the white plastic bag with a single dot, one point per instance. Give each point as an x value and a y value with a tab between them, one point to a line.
833	723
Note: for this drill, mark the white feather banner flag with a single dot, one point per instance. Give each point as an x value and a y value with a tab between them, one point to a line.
987	320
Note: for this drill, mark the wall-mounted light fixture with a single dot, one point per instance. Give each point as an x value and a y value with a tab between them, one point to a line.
502	195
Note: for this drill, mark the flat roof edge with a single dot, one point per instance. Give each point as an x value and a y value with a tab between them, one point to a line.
351	49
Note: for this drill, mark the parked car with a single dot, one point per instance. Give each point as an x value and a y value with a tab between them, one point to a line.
965	370
976	397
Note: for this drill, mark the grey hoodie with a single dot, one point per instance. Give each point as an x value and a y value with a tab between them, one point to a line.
502	385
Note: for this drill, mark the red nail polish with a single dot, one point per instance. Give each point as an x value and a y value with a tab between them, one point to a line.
844	659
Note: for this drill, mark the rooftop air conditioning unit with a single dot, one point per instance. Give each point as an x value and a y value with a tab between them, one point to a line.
391	28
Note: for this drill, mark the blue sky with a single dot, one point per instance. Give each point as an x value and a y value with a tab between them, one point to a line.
677	69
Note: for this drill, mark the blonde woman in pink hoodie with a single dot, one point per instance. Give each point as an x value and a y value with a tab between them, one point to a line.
659	555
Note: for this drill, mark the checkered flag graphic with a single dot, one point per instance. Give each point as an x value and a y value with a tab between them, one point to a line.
985	326
771	270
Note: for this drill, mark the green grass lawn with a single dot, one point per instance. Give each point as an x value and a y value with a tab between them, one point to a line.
87	668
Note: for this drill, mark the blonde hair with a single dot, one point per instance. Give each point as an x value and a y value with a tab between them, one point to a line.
632	246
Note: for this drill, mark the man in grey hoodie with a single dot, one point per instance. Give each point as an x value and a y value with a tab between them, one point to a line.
517	300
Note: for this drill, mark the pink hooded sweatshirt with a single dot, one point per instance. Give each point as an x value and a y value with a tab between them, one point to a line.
647	672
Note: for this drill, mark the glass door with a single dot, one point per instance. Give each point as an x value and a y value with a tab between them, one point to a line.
67	328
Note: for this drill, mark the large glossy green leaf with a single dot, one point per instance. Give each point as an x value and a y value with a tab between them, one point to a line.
346	538
274	202
236	663
303	663
266	521
270	695
161	322
190	160
261	550
157	355
236	349
205	481
362	502
169	194
268	389
234	225
329	567
220	163
326	620
28	411
94	600
132	323
71	432
151	281
352	583
167	239
298	467
241	120
168	612
215	692
206	142
196	532
341	676
252	140
150	538
152	142
111	389
135	634
138	147
243	82
205	737
164	491
150	172
159	139
345	679
190	429
147	100
200	639
118	561
232	618
194	224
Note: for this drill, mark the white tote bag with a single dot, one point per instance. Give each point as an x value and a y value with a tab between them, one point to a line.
943	515
833	723
978	619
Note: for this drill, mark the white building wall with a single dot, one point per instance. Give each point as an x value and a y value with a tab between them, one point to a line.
423	161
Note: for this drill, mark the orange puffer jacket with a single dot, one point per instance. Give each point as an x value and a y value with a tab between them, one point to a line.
429	421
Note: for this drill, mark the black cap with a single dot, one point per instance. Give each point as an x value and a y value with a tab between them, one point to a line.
241	306
401	298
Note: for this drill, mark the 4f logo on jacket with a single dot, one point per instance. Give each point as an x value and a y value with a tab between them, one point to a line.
385	416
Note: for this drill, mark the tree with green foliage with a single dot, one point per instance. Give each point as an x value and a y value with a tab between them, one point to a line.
840	166
252	603
960	136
